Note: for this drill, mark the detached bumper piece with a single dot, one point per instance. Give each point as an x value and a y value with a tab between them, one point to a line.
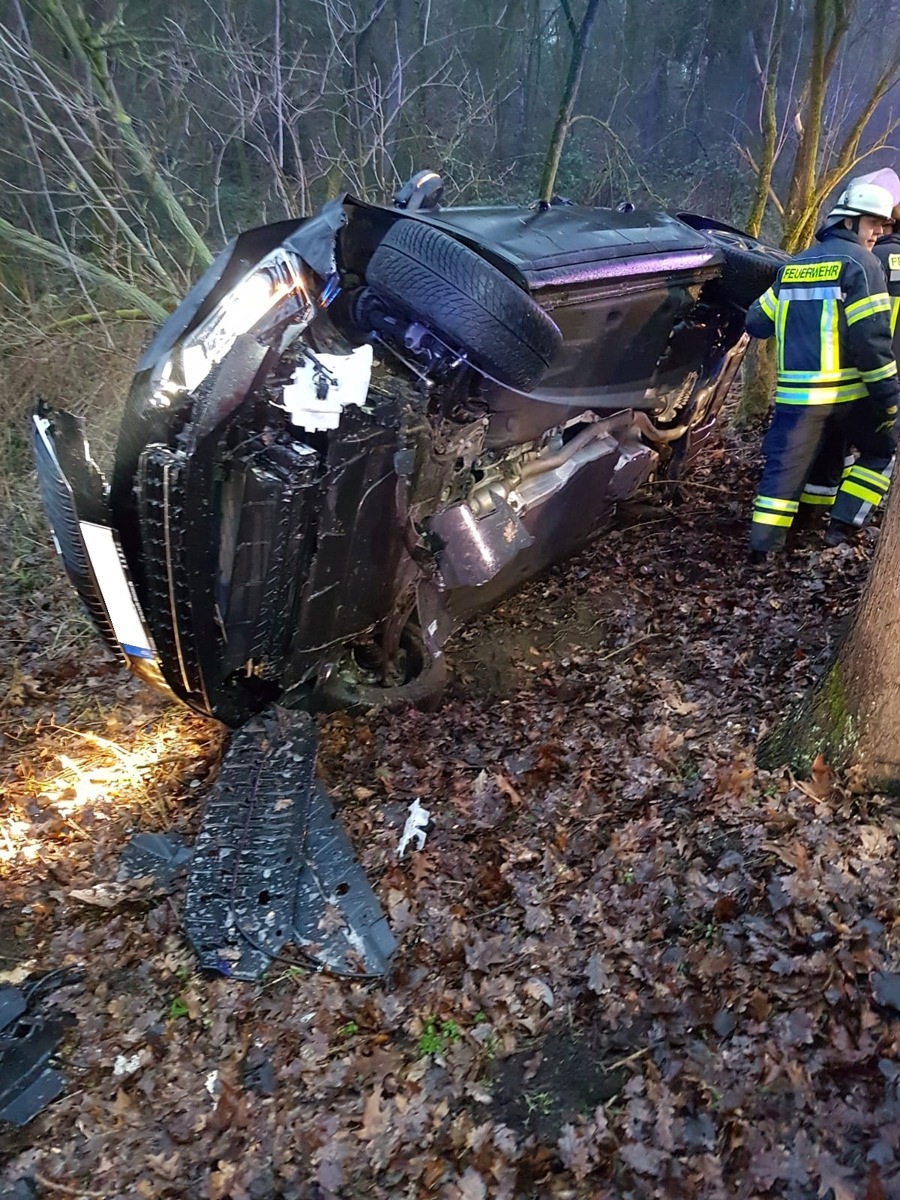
273	867
74	494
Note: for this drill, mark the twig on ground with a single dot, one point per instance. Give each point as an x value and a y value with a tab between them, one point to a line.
689	483
65	1190
623	1062
629	646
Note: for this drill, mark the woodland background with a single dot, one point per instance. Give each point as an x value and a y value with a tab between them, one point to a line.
632	964
135	137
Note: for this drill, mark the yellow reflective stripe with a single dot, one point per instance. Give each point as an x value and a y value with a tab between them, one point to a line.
828	335
768	304
860	309
776	503
886	372
863	493
832	395
809	498
895	311
867	476
761	518
781	322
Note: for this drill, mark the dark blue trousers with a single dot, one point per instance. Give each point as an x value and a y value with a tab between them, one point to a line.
797	436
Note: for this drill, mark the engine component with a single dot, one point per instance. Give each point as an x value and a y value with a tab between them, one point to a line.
474	549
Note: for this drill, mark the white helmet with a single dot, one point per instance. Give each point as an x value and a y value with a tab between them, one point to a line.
862	199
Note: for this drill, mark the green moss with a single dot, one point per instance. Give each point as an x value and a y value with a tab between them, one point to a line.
824	724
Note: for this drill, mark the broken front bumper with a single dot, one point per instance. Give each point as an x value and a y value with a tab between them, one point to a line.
74	497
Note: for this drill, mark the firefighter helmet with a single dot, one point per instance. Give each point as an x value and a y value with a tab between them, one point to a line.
861	199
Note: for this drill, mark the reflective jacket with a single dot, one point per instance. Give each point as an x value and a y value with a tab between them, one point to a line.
830	315
887	251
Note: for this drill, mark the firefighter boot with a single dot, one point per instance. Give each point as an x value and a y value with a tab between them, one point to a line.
839	533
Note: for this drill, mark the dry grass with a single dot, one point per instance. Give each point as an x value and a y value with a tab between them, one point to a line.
86	369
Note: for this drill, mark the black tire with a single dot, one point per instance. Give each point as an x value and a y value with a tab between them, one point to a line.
424	689
432	278
750	266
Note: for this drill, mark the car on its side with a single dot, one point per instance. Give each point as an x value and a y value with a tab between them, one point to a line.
361	428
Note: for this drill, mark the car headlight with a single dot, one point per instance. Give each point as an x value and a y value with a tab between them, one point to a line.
278	276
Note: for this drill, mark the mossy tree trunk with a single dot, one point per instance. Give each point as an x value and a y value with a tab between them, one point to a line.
768	121
757	382
853	717
86	46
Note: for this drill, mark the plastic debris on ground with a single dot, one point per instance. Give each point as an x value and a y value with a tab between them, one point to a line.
29	1038
415	829
272	864
162	856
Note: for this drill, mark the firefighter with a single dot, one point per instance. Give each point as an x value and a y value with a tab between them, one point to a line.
821	487
887	251
837	379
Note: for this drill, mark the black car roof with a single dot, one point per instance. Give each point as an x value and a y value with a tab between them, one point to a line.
548	247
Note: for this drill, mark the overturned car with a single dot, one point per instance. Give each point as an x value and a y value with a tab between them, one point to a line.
360	428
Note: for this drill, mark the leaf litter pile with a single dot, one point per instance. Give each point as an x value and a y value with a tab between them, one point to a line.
630	964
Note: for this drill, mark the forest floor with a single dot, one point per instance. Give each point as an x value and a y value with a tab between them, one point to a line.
630	963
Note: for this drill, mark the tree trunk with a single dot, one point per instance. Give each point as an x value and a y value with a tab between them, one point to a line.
83	43
801	209
757	381
769	122
30	246
854	717
580	40
803	180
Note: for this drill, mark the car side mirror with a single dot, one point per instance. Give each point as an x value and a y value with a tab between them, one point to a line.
425	190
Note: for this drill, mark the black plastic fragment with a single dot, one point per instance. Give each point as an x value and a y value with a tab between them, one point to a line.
272	864
886	989
239	904
28	1040
257	1072
160	855
332	879
12	1005
23	1189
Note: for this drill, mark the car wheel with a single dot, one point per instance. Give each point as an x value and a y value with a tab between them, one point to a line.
427	678
434	279
750	266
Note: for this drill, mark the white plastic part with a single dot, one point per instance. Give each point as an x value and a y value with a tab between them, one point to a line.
415	829
324	385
